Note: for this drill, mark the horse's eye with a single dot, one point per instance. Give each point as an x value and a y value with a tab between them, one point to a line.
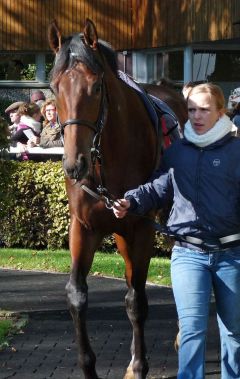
97	88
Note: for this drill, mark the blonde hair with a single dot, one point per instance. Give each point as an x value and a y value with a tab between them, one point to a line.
213	90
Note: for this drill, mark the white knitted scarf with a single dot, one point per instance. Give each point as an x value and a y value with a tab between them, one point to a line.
222	127
29	121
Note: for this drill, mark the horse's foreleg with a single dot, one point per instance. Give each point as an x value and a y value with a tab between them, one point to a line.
77	296
137	310
82	248
136	300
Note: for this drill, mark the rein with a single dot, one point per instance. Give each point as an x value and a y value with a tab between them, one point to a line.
109	204
107	198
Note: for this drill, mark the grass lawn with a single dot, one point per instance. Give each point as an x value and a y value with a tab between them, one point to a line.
60	261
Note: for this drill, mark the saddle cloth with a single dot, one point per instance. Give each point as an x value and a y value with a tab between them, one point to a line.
154	104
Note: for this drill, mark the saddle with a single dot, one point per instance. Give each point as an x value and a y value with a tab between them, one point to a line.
163	118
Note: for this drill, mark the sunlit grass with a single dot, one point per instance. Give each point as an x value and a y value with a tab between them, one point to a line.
60	261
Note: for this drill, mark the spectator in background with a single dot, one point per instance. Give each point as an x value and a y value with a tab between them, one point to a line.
235	116
31	116
51	133
38	97
12	112
29	128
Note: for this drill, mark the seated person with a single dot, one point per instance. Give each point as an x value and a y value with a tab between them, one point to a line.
12	112
28	129
51	133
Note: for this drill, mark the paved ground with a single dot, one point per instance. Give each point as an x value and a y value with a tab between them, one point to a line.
47	350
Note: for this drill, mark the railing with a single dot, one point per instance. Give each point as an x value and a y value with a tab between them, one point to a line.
38	150
38	153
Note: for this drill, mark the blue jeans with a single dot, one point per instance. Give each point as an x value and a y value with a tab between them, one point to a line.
195	275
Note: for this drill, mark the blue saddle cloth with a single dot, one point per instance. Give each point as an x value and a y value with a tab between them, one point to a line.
153	103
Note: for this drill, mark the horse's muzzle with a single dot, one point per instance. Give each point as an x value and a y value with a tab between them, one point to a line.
75	169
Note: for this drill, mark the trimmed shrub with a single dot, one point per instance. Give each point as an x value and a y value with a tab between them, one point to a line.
34	209
4	134
4	103
33	205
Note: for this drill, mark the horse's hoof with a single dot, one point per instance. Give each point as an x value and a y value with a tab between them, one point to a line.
129	373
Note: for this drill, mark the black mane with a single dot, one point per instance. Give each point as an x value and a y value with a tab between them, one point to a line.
74	48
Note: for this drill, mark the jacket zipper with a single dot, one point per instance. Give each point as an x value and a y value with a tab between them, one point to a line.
199	164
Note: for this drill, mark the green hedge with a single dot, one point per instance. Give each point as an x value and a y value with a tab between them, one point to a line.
4	103
33	205
4	135
34	210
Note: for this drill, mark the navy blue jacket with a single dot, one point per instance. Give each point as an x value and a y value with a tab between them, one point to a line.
204	184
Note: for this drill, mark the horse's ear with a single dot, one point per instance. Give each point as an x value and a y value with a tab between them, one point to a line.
55	38
90	34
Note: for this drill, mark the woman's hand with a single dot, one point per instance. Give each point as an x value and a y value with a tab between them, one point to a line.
120	207
33	141
22	147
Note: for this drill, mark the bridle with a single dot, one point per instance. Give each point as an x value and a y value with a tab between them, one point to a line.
97	127
78	121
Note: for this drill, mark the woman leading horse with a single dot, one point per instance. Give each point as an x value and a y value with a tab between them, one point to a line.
110	146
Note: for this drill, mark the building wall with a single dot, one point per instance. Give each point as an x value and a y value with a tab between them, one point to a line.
24	23
178	22
126	24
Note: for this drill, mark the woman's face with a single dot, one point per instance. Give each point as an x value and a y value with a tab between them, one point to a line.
14	117
51	113
203	112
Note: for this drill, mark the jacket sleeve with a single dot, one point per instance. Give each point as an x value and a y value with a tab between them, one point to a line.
45	143
151	195
54	140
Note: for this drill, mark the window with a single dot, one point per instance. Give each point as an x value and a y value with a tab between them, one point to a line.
17	67
227	66
25	67
175	65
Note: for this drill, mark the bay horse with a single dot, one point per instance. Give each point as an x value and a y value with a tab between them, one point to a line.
110	146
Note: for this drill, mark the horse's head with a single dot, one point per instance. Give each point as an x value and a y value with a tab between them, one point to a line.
77	80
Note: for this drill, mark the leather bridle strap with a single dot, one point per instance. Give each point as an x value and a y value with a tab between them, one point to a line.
77	121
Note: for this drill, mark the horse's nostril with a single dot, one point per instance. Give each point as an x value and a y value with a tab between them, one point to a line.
75	168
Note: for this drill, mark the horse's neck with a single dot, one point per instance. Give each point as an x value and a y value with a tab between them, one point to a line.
128	139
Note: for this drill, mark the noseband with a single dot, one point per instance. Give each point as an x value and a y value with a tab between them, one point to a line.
77	121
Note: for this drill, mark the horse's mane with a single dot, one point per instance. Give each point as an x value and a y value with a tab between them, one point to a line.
74	49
